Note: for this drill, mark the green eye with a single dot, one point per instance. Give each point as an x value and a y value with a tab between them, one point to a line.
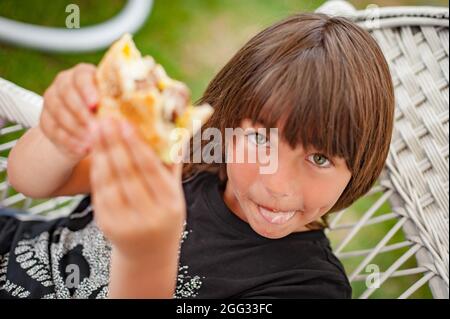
257	138
320	160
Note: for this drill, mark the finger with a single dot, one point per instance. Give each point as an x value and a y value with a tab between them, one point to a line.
67	93
65	120
72	144
135	182
77	107
105	209
51	99
84	78
59	136
105	189
46	122
100	159
130	178
146	159
176	169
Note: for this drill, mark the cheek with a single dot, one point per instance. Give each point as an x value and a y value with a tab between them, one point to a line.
242	176
321	195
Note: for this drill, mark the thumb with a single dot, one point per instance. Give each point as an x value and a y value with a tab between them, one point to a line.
176	169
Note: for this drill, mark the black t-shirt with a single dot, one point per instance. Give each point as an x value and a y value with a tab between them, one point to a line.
220	255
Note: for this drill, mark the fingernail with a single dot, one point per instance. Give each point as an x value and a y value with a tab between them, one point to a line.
92	99
93	106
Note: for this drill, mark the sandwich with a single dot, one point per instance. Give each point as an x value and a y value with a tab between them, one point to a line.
136	88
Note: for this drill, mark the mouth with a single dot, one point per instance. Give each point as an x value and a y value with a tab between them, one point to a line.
274	216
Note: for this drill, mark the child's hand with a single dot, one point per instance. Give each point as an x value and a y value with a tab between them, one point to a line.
66	115
138	201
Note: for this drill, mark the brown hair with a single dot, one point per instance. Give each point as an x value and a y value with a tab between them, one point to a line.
315	69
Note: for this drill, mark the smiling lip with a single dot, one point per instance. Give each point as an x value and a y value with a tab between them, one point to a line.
275	217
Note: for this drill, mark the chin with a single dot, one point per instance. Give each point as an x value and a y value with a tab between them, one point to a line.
269	233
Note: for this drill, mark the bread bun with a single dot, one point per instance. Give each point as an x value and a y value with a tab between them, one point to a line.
138	89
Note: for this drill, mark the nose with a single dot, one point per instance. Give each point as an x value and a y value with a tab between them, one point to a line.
284	182
277	194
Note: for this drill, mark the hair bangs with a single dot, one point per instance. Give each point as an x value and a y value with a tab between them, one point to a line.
299	97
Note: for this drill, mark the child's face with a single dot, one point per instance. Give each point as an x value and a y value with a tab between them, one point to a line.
303	188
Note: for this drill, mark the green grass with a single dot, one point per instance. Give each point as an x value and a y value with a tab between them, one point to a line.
192	39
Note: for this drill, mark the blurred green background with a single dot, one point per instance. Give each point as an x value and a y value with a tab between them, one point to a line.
192	39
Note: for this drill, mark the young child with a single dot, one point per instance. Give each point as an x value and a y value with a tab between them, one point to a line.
321	81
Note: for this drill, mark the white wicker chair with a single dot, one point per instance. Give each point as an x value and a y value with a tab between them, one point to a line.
415	42
415	179
19	110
